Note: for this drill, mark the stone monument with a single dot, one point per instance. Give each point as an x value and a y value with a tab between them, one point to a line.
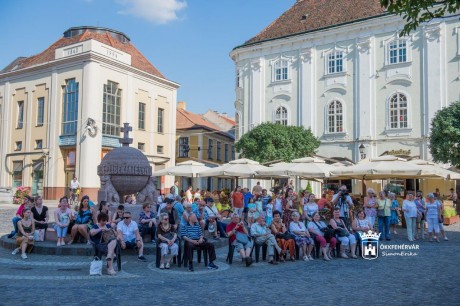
126	171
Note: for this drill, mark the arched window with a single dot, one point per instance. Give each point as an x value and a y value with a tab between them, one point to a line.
398	111
335	117
281	70
397	51
281	115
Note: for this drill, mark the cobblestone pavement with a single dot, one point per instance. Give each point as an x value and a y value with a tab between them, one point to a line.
430	277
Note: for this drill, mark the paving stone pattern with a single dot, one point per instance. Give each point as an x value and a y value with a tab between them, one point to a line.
430	278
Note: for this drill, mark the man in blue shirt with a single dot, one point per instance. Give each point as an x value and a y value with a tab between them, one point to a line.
193	236
265	199
246	196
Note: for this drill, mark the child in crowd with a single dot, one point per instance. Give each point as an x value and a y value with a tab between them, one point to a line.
269	212
252	210
259	206
279	202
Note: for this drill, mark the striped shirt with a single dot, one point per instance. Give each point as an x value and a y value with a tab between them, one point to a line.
192	231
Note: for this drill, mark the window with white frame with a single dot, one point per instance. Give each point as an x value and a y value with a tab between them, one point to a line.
141	116
398	111
335	62
20	122
335	117
40	111
183	147
111	109
281	70
70	108
281	115
397	51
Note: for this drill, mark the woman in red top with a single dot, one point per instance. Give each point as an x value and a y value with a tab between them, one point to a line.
237	201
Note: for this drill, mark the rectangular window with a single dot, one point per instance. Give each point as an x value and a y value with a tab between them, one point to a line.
20	115
18	146
219	148
70	108
141	146
141	121
17	173
111	105
183	147
397	51
335	62
233	152
160	149
226	153
160	120
40	111
38	144
210	145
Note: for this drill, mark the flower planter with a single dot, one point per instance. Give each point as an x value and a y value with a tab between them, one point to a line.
451	220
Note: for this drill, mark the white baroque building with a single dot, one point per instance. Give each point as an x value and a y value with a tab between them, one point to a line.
341	69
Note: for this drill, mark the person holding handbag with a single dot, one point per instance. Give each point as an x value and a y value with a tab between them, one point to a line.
284	239
383	214
318	228
100	230
343	235
239	238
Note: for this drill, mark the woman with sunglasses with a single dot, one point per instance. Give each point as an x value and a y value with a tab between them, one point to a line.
167	238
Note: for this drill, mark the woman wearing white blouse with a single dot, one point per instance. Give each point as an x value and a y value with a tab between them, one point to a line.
410	214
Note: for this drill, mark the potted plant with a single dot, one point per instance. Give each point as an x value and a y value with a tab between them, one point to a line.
450	216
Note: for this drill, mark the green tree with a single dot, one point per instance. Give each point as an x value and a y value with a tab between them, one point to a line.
271	141
415	12
445	135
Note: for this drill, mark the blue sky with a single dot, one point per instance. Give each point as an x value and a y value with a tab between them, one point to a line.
189	41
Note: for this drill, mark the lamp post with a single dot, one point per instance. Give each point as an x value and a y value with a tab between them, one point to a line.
361	151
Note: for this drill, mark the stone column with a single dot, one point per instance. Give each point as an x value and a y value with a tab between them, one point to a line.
89	148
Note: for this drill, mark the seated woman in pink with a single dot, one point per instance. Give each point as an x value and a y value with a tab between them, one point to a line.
318	229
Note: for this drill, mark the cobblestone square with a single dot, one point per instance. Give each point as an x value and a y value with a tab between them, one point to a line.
429	278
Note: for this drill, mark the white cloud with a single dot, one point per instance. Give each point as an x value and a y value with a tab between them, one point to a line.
156	11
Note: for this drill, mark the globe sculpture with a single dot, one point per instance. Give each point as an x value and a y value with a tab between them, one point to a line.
126	171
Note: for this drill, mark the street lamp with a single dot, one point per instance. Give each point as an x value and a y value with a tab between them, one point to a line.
361	151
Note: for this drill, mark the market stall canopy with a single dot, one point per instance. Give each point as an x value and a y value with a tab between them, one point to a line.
432	169
187	168
382	167
307	167
242	168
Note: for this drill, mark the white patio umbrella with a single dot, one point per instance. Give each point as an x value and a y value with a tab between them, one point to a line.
382	167
242	168
430	169
187	168
307	167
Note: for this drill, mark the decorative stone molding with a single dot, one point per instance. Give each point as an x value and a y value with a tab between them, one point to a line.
432	32
305	55
364	45
255	66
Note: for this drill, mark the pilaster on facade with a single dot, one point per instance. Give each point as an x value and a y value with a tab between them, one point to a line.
257	93
365	104
89	152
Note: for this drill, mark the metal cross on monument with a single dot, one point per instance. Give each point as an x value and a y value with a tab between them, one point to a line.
126	141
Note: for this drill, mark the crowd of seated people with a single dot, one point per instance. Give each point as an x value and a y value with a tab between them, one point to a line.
281	222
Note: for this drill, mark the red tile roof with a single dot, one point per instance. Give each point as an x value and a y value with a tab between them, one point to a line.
188	120
309	15
137	59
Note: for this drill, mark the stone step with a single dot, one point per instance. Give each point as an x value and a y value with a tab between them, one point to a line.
82	249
